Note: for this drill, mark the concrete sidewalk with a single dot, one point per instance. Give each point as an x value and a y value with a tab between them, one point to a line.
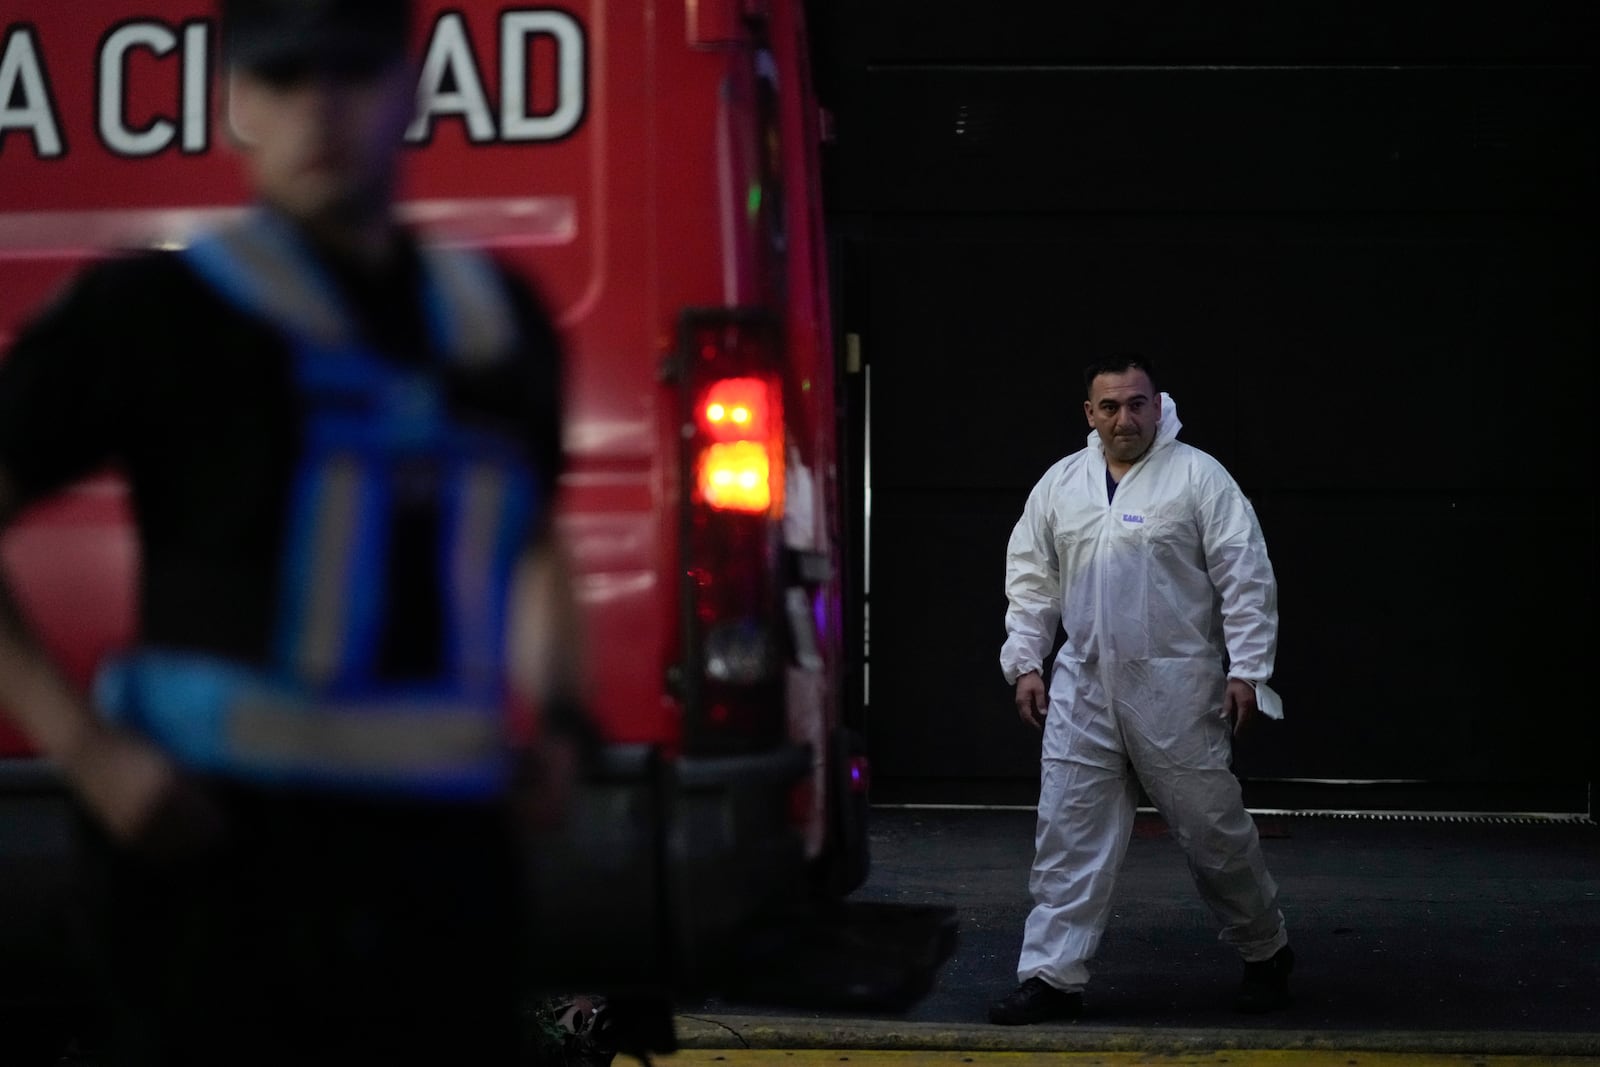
1412	935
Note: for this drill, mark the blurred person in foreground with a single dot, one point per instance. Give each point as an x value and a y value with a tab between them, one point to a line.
1148	555
306	781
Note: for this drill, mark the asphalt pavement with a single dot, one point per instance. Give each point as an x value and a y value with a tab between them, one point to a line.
1416	934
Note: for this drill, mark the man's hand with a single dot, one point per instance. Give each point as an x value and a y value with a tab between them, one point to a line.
139	796
1032	700
1239	704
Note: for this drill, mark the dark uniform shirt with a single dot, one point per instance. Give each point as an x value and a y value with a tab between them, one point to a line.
143	367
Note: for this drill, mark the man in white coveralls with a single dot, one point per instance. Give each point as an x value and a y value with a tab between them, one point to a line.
1147	554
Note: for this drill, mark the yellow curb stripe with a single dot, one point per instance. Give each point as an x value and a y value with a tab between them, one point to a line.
1224	1058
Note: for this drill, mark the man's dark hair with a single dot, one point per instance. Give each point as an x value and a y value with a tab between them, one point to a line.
1117	363
286	37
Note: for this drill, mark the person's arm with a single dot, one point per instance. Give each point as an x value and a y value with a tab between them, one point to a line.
128	785
548	667
65	389
1033	593
1247	591
39	699
547	663
549	678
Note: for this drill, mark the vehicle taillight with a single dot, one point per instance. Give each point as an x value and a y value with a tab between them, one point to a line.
735	463
734	649
736	476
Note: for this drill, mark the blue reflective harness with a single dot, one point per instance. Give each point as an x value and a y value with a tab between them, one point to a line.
319	713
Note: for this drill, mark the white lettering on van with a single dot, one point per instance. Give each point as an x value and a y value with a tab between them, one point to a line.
196	87
452	84
516	30
189	128
450	59
25	102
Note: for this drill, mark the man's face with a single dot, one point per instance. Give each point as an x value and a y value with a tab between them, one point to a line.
323	145
1124	410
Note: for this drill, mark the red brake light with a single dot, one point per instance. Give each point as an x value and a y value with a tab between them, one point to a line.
736	409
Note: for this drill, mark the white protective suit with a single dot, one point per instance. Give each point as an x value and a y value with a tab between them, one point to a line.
1164	592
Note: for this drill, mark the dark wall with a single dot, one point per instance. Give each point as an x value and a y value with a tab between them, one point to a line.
1361	251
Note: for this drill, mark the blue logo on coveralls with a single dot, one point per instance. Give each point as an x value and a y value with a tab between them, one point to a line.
1133	518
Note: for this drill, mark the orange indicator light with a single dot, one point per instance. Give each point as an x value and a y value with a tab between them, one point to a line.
736	476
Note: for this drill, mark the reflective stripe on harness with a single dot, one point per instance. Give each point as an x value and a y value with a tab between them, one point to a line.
262	266
219	717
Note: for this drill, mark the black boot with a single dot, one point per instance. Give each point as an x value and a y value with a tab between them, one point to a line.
1266	983
1035	1001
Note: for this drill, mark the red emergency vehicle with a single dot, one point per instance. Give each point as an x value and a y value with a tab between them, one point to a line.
652	166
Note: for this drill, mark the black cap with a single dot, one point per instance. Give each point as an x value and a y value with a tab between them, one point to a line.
290	36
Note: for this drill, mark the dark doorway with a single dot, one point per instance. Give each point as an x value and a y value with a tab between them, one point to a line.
1363	257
